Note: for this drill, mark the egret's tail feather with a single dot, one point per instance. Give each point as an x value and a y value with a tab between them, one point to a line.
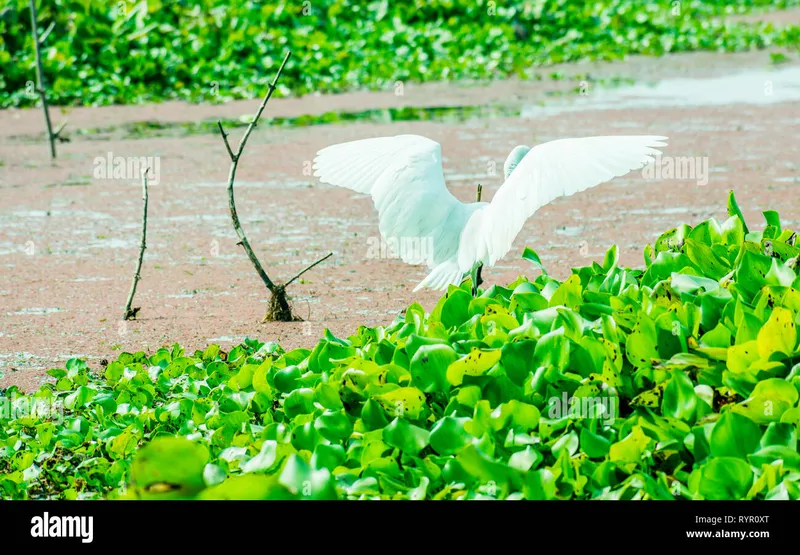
442	275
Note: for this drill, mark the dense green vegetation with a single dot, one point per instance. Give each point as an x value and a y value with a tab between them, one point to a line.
676	380
122	51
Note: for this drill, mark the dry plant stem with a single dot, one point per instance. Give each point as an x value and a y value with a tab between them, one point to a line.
129	312
40	84
232	175
279	308
323	259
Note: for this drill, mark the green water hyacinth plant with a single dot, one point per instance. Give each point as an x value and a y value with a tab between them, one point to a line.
677	380
101	52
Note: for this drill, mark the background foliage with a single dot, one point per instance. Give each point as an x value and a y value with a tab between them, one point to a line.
105	52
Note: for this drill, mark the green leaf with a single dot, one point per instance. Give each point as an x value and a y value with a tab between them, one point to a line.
169	468
429	367
244	378
515	358
525	460
594	445
306	483
453	308
679	400
768	402
448	435
334	425
725	478
246	487
328	396
640	347
260	382
734	436
80	398
705	259
476	363
629	451
406	437
286	379
264	460
733	210
483	468
213	474
299	401
404	402
373	415
778	335
773	219
780	434
531	256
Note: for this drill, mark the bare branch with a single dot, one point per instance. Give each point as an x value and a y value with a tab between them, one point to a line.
227	144
308	268
47	32
57	132
129	312
40	78
279	308
263	105
237	226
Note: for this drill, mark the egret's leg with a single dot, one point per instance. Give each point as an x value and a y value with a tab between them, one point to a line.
475	275
473	278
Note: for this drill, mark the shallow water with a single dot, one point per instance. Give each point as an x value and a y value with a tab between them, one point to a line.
35	311
746	87
283	184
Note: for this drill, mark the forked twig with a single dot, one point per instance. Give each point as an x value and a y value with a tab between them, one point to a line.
278	291
323	259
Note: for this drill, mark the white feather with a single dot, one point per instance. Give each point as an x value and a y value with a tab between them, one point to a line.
404	176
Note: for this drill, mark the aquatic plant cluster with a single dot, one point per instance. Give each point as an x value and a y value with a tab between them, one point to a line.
99	52
679	379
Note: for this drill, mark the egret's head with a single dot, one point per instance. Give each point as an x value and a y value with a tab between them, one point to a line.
514	158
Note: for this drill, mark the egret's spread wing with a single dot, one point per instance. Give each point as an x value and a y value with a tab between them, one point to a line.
550	170
404	176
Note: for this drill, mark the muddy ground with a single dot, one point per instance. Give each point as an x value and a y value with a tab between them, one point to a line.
69	240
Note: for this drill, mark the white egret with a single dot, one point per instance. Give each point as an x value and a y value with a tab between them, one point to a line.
404	176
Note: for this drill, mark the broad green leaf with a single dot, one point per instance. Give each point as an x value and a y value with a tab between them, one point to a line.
640	347
679	400
334	425
628	452
448	435
734	210
246	487
476	363
734	436
531	256
406	437
169	468
404	402
263	460
429	367
769	400
778	335
725	478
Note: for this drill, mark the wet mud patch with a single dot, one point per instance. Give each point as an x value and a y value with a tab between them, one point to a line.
73	246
